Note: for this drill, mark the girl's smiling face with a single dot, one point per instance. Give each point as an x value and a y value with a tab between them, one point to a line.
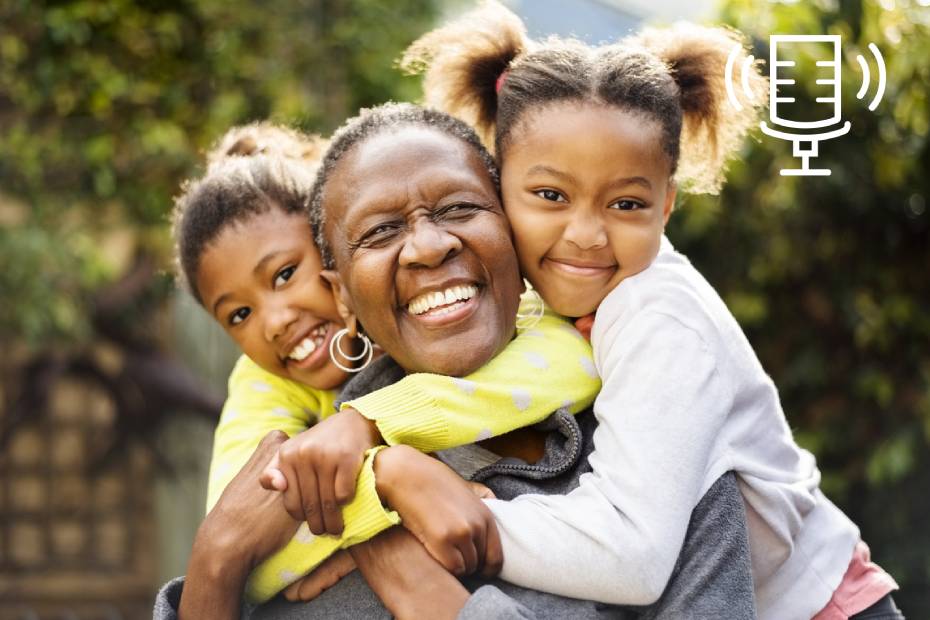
588	190
261	280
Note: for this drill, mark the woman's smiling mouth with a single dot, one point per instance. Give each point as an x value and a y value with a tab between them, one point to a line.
445	305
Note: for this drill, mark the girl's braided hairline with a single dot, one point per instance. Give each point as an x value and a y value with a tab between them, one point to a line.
373	122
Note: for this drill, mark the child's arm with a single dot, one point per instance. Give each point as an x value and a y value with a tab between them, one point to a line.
541	370
438	507
617	537
365	517
258	402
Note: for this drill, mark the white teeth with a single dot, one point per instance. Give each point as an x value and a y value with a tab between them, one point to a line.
427	301
304	348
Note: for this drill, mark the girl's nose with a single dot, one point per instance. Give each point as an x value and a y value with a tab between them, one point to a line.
278	318
428	245
586	232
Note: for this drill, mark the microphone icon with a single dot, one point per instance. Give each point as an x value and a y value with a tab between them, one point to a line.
805	135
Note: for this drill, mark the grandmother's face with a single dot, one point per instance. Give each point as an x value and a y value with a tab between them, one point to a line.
423	250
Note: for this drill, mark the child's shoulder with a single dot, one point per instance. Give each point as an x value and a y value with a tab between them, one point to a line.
248	372
670	286
246	375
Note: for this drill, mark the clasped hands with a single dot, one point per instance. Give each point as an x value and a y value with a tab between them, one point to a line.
316	472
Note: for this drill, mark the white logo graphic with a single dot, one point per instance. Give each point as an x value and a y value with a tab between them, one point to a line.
805	135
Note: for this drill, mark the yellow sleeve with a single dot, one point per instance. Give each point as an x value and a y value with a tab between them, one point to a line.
544	368
258	402
364	518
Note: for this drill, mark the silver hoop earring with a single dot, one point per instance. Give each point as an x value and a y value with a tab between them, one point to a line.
536	309
367	352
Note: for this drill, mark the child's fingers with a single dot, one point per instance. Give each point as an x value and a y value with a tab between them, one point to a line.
480	491
493	552
345	483
448	555
468	547
277	481
325	576
271	478
292	499
292	592
310	498
331	511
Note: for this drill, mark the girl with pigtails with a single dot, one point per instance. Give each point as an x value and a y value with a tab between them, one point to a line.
593	144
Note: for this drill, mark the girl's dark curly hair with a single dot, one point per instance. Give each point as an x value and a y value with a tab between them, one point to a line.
252	169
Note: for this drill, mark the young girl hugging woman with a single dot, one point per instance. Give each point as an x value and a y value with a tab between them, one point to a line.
593	144
246	253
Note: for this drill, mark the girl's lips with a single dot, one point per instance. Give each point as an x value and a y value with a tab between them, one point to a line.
582	269
447	315
319	356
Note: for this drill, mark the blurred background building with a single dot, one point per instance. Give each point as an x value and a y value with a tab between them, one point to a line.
110	381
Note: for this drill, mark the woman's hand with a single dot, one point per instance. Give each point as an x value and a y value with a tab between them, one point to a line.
247	524
409	582
440	509
317	469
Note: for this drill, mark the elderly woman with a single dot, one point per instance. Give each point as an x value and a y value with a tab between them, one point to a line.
407	203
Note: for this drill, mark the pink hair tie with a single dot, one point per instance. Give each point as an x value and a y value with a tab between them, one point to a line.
500	81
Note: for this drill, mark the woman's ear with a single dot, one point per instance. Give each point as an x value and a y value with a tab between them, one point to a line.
343	301
669	205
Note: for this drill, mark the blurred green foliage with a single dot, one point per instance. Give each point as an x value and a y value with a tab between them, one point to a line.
105	106
829	275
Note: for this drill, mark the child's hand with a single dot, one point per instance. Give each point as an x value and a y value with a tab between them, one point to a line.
317	469
441	510
480	491
323	577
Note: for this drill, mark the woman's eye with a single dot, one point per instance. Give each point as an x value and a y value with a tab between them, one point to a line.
239	315
378	235
455	211
627	205
284	275
551	195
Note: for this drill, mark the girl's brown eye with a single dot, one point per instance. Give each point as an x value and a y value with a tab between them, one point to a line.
551	195
626	205
239	315
284	275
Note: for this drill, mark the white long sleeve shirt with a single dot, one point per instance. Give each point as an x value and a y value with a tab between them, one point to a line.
684	400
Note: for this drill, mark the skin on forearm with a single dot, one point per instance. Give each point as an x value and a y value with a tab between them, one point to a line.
245	526
409	582
214	582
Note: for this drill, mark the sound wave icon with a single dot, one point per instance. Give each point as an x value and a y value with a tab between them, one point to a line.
880	62
805	145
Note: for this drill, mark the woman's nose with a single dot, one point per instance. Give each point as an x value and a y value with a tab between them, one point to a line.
428	245
586	232
278	318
